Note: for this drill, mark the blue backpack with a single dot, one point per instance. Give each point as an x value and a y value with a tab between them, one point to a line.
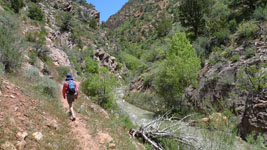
71	87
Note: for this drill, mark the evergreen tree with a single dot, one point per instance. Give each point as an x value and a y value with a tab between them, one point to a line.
192	12
36	13
16	5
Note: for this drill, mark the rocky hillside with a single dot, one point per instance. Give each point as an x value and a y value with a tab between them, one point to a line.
229	38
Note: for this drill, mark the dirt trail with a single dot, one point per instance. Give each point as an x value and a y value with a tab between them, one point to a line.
78	128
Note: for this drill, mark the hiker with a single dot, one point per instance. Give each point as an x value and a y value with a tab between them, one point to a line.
71	90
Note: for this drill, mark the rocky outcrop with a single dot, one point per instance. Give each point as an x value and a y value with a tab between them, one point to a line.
89	13
219	86
105	59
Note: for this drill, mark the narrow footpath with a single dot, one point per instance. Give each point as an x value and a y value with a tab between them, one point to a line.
79	130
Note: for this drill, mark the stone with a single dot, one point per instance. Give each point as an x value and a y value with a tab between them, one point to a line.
22	136
112	146
12	96
38	136
21	145
0	93
8	146
52	124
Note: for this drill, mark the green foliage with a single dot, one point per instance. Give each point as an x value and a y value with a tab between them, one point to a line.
260	13
192	12
91	66
164	26
33	56
10	45
65	21
178	71
36	13
131	61
31	74
247	29
16	5
252	78
223	35
235	58
93	23
202	46
63	71
47	86
249	52
100	86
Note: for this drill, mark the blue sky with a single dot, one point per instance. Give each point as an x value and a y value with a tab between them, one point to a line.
107	7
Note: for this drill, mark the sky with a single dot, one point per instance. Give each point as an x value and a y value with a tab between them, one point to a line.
107	7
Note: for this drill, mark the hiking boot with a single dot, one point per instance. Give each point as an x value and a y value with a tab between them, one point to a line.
73	118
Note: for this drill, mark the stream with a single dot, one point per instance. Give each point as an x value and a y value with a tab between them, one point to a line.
203	139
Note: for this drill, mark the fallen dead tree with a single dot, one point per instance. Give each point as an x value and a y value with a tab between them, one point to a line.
164	127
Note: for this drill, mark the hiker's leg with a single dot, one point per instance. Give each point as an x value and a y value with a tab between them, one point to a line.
72	111
70	101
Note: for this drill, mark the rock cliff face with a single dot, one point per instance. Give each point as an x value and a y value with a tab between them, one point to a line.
219	85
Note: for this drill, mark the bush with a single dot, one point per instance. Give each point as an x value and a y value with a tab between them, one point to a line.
36	13
235	58
31	74
164	26
260	13
131	61
16	5
65	21
247	29
91	66
10	45
249	52
100	87
47	86
223	35
33	57
62	72
93	23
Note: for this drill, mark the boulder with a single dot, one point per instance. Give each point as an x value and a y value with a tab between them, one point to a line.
38	136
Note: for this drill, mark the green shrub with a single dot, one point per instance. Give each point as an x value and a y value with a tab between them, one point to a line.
31	74
33	57
65	21
252	78
164	26
223	35
260	13
227	53
10	44
36	13
249	52
47	86
247	29
235	58
91	66
100	87
63	71
93	23
131	61
16	5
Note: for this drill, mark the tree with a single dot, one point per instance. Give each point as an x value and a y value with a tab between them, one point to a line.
16	5
36	13
192	12
178	71
164	26
244	8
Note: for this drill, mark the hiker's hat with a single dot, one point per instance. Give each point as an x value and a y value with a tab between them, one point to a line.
69	77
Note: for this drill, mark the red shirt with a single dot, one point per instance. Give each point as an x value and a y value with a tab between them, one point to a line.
66	88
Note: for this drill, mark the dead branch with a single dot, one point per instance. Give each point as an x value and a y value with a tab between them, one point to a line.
164	127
